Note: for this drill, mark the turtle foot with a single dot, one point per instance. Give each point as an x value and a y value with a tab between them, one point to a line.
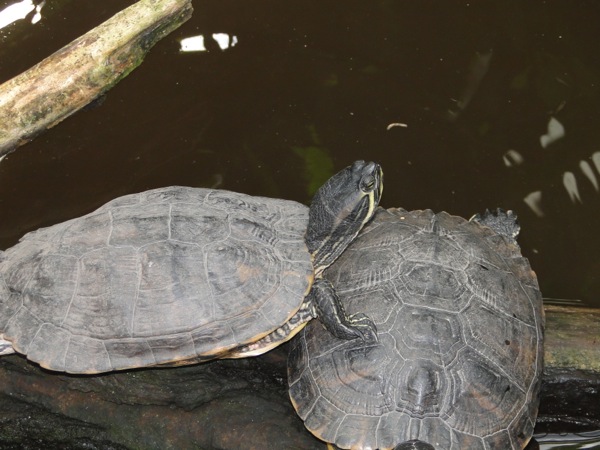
363	327
501	221
330	311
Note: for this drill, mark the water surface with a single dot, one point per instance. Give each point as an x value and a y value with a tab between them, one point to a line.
499	101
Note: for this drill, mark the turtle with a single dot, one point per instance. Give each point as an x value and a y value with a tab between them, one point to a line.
180	275
459	355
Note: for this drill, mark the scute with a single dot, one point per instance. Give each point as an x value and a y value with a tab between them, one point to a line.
460	323
169	276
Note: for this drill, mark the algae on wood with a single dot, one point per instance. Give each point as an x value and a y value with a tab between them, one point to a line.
571	383
572	339
86	68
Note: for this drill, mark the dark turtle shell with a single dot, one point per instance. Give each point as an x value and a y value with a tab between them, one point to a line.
458	363
168	276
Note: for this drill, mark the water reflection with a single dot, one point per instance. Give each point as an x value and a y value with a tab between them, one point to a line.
512	158
534	201
475	73
570	180
198	43
556	131
19	11
589	173
569	441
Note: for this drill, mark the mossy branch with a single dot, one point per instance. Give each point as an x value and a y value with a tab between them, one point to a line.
83	70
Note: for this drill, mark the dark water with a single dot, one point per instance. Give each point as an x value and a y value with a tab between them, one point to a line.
312	86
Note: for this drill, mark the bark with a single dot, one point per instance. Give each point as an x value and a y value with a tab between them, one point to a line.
571	382
241	404
234	404
83	70
572	338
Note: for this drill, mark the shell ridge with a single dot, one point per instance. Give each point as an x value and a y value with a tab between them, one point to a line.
312	376
37	331
75	290
494	364
376	433
213	297
110	362
111	227
169	221
150	351
339	425
64	358
136	297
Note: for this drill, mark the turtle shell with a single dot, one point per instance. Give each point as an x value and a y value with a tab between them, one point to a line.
169	276
458	361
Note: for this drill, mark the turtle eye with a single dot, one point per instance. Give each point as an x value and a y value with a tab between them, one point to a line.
368	183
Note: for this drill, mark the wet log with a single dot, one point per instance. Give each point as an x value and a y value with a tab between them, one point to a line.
571	382
572	338
83	70
243	403
235	404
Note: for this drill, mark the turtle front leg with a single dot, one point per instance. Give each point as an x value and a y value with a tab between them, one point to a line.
330	312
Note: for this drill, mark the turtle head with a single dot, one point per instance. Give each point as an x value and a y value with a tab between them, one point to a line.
339	210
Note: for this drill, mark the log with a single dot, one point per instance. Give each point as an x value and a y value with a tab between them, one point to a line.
572	338
235	404
571	382
243	403
83	70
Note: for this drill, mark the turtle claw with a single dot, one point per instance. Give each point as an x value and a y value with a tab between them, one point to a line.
363	327
330	312
354	327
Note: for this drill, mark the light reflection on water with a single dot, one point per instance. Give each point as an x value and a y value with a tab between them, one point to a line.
20	10
589	440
